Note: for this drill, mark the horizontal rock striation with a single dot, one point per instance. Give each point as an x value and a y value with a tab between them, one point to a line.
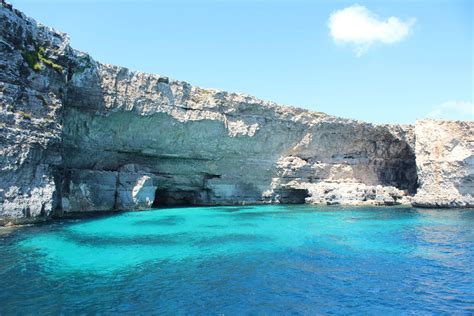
78	135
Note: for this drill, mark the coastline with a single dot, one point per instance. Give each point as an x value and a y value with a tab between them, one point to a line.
82	136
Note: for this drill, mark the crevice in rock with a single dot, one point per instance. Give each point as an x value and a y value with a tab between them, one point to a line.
43	211
116	195
27	212
58	178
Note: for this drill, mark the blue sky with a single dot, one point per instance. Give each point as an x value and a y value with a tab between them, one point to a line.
420	65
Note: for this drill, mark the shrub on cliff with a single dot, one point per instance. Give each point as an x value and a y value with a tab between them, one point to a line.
25	116
35	58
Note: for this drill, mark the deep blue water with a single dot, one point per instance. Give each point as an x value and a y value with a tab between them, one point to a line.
243	260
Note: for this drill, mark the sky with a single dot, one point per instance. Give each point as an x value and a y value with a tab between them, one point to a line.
377	61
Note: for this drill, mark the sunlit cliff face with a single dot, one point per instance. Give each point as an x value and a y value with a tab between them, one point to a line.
78	136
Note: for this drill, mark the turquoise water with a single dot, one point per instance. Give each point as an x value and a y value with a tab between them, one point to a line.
238	260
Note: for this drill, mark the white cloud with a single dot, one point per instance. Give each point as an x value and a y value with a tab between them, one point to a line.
453	110
358	26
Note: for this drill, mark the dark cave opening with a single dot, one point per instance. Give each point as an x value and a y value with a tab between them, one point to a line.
292	195
166	197
161	198
400	171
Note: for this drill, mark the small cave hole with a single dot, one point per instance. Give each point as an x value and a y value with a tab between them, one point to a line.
161	198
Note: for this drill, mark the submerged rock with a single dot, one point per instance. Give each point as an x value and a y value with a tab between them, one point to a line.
78	135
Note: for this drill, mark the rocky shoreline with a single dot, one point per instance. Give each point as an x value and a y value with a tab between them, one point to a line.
81	136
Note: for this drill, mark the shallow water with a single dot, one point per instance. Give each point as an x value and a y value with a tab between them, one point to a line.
234	260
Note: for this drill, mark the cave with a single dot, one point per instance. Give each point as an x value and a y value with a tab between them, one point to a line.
166	197
292	195
400	171
161	198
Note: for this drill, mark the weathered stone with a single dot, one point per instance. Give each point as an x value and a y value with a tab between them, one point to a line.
89	190
78	135
136	188
445	162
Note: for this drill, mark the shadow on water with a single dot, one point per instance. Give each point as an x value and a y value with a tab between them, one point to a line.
162	240
232	238
232	209
170	220
215	226
284	213
243	224
107	241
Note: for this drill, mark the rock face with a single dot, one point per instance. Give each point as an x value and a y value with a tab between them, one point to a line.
78	136
445	162
30	120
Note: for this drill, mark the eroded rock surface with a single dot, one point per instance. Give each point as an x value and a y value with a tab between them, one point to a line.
78	135
30	120
445	162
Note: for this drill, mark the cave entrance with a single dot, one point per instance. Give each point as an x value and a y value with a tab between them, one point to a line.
293	196
400	171
165	197
161	198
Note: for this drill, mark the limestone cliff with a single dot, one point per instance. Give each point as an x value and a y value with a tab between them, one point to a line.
445	162
78	135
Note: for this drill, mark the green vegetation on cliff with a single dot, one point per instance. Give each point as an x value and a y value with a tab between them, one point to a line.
25	116
36	58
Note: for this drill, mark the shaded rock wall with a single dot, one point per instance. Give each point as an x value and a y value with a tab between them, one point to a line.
78	136
214	147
